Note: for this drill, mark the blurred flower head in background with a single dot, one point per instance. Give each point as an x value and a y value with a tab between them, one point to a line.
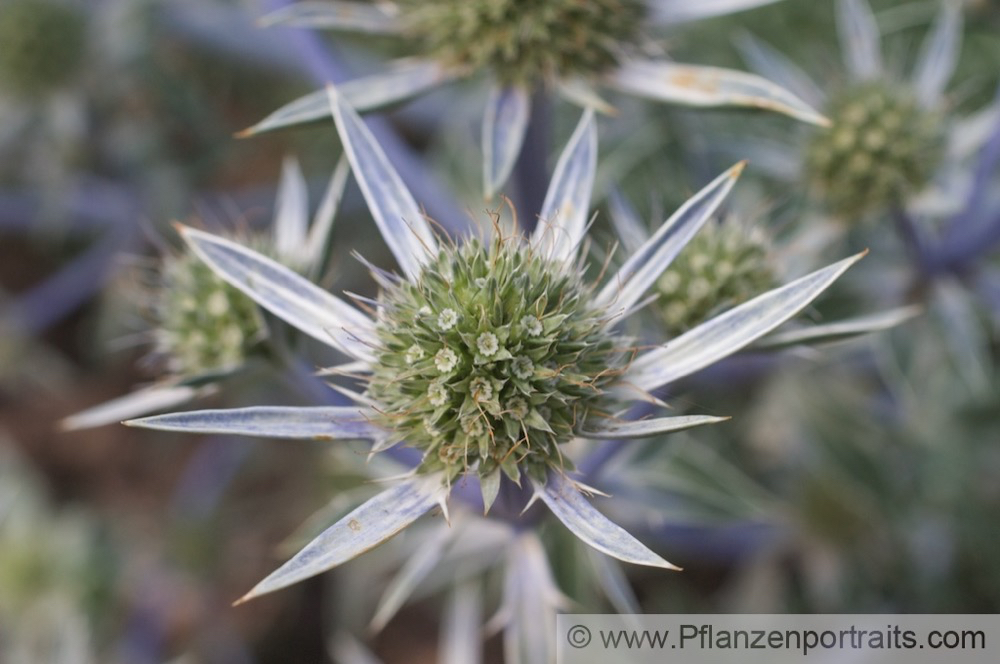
889	136
568	46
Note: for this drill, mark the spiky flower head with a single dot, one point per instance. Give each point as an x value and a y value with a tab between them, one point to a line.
726	264
481	355
882	146
202	324
523	41
42	44
492	356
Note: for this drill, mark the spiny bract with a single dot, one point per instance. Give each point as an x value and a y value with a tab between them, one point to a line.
726	264
202	323
493	357
41	44
881	146
524	41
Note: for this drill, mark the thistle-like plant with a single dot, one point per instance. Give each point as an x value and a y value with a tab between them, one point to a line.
725	265
570	46
202	329
490	358
889	137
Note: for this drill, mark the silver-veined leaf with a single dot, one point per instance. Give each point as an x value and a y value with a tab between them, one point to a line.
729	332
312	423
649	427
364	528
693	85
507	112
563	219
646	265
396	214
595	529
286	294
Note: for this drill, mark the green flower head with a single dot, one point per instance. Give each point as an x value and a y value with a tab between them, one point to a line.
882	146
723	266
202	324
523	41
887	134
573	48
493	357
489	358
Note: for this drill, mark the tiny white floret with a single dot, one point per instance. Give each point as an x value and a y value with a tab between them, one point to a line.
487	344
447	319
445	360
532	326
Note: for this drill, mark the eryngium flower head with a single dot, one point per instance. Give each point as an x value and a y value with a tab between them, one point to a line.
469	342
493	357
41	44
201	323
524	41
888	134
726	264
570	47
882	146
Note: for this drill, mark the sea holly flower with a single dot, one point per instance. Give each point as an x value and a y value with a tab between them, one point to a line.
889	137
571	46
203	330
725	265
580	374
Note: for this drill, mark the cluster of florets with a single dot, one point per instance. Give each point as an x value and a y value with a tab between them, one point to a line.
726	264
202	323
493	357
41	44
881	146
523	41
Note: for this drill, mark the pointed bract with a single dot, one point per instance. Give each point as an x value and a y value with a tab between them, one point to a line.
649	427
334	15
774	66
291	212
530	600
461	640
595	529
318	239
419	564
403	79
311	423
363	529
729	332
489	486
939	55
840	330
286	294
506	120
859	39
396	214
563	219
646	265
670	12
136	404
692	85
626	222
